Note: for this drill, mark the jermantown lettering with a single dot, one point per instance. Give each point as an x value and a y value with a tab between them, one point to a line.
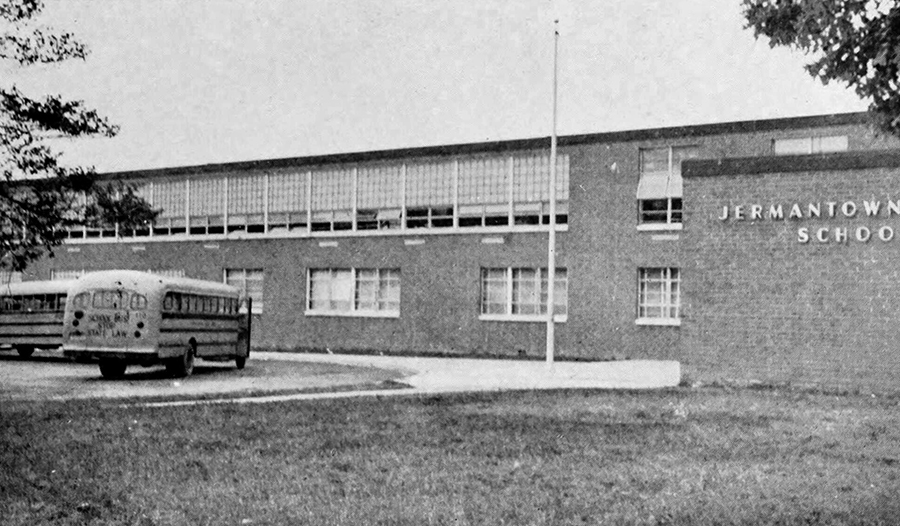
822	210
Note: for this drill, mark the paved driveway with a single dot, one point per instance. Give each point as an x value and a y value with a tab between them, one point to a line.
49	377
284	376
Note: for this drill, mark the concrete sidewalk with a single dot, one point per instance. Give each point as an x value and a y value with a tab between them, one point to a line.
447	375
457	375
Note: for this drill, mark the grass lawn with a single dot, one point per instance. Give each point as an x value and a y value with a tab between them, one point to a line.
684	456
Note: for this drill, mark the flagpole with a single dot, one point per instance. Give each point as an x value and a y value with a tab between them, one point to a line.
551	238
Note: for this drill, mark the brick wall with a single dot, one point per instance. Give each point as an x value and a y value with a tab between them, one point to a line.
440	288
761	305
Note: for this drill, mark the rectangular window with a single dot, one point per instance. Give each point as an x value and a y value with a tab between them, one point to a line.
531	189
484	187
145	192
810	145
521	294
660	187
378	197
250	283
287	201
354	292
659	296
429	195
8	276
65	275
246	198
332	200
207	206
171	198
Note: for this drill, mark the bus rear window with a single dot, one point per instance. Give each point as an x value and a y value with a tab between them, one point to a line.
138	301
82	300
109	299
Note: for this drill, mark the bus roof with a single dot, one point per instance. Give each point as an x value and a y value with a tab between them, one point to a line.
134	279
35	287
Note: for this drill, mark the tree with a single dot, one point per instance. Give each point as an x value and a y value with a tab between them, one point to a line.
856	42
39	197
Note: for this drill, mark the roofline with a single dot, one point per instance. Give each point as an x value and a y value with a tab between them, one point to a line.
829	162
837	119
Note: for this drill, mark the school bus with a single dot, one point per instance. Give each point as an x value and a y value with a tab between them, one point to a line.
31	315
125	317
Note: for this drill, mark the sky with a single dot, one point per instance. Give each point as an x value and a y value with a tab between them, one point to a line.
234	80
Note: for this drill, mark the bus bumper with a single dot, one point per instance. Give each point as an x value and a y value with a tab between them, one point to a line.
131	357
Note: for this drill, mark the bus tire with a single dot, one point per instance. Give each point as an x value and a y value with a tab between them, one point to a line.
182	366
240	362
25	352
112	369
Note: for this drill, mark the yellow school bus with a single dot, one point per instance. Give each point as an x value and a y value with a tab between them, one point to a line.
31	315
125	317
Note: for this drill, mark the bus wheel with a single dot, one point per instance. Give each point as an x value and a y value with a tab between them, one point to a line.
240	362
183	365
112	369
25	352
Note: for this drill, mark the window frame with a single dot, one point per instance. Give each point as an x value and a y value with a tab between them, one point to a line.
674	219
258	303
669	296
510	297
812	144
384	278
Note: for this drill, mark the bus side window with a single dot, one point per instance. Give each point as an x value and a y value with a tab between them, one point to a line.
32	303
168	302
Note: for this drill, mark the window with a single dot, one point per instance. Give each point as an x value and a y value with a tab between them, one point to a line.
246	198
660	189
531	189
250	283
332	200
659	296
207	206
378	192
287	201
484	186
521	294
8	276
171	198
429	195
507	190
810	145
33	303
354	292
65	275
144	191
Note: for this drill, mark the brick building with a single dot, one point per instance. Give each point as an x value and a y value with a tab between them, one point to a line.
443	249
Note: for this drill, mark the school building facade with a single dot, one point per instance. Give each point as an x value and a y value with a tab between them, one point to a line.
748	251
